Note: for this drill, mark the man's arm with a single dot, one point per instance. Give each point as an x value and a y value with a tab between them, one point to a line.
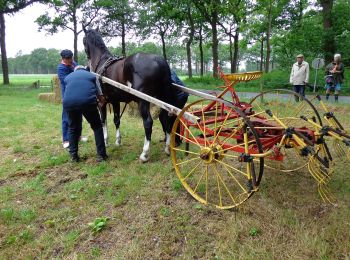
101	99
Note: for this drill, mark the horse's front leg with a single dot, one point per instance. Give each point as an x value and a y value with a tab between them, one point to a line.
116	112
103	115
147	124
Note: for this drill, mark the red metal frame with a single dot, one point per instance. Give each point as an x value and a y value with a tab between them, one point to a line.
269	137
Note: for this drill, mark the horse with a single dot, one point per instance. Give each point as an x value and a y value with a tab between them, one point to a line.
144	72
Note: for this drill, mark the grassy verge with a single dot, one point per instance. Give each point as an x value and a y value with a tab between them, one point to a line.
51	208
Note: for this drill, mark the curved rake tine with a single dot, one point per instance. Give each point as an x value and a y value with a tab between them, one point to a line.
325	194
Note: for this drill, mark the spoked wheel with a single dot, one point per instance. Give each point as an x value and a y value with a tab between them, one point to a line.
288	107
215	162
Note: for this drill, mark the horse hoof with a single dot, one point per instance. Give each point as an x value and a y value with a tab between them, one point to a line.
118	143
167	150
144	158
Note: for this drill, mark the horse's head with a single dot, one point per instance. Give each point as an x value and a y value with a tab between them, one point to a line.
92	41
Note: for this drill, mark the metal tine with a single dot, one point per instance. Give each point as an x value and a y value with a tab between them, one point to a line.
317	171
339	151
326	195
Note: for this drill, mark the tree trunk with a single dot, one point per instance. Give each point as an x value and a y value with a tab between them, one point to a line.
162	34
201	54
268	35
4	62
123	39
231	55
215	43
189	42
235	51
262	54
328	34
75	32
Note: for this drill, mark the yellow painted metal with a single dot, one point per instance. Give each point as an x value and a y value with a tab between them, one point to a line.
244	77
282	104
211	174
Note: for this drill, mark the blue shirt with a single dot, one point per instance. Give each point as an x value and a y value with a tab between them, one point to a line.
81	90
63	71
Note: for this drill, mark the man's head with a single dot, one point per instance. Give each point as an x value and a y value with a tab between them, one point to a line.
300	58
337	57
67	56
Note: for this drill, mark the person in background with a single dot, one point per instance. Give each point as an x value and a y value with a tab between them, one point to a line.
181	99
63	70
299	76
83	93
335	77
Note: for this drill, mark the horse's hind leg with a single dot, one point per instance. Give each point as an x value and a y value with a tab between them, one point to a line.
103	115
116	112
147	124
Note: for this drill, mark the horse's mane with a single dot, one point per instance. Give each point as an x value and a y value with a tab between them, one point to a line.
95	38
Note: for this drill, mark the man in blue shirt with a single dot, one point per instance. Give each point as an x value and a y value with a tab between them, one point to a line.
63	70
82	94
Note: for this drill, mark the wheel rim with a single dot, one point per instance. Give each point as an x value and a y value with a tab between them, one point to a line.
212	168
282	103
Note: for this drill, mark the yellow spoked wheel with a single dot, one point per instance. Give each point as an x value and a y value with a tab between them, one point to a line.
288	106
218	161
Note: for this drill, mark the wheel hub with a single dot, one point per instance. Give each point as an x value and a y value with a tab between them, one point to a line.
212	153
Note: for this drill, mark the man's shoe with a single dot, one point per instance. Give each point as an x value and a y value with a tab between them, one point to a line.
65	144
75	158
101	158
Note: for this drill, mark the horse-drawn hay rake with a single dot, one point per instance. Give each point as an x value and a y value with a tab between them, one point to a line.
224	152
227	144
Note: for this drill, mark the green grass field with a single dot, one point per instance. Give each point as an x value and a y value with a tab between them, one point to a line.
47	202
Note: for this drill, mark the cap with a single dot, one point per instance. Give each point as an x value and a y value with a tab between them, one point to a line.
337	56
66	54
300	56
79	67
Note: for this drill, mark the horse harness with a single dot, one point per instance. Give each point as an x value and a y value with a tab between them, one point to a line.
102	70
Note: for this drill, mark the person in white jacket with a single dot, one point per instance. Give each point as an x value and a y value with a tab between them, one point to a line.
299	76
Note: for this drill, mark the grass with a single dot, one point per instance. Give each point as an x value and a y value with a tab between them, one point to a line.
29	79
47	203
273	80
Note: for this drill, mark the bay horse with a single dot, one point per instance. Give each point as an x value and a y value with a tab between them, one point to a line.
144	72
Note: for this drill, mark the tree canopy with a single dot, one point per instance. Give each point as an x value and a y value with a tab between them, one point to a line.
201	34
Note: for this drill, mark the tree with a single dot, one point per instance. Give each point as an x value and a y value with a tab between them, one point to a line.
67	17
118	20
9	7
210	11
230	21
328	33
156	17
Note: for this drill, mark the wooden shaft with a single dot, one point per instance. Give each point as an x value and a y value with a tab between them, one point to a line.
171	109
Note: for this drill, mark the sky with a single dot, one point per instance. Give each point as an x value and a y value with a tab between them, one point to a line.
22	33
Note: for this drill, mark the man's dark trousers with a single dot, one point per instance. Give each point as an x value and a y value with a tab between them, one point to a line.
300	89
74	122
